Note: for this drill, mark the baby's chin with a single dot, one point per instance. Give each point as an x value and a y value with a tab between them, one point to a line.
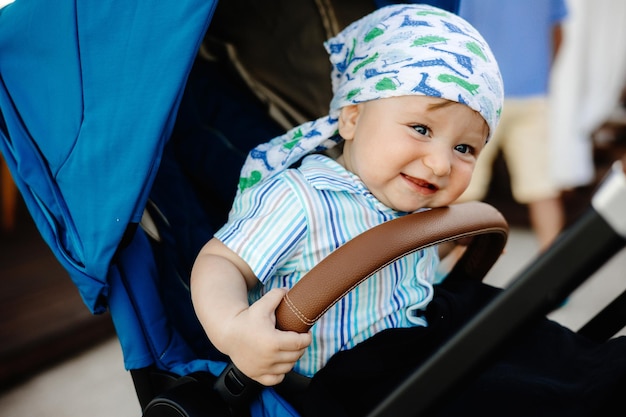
410	205
435	204
408	208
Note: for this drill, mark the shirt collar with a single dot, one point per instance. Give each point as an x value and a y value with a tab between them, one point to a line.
326	174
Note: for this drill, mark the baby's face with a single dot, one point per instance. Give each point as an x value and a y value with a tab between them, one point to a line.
412	151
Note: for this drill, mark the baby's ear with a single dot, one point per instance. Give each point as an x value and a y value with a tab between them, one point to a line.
348	117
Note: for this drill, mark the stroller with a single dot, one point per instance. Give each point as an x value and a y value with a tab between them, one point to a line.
129	249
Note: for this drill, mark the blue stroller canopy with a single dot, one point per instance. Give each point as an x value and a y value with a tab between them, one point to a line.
89	92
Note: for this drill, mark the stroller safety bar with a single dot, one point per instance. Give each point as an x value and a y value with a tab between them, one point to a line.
355	261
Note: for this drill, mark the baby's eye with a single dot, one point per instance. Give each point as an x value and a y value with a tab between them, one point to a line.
464	149
421	129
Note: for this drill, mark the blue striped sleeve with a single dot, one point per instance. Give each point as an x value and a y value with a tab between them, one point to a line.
265	227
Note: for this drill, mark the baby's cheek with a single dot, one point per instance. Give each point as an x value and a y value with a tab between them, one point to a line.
466	181
460	183
464	176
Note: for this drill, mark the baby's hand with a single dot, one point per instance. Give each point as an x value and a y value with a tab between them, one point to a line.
257	348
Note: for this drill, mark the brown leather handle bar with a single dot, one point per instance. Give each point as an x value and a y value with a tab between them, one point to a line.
359	258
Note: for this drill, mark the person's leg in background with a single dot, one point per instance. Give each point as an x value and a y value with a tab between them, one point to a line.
526	152
547	219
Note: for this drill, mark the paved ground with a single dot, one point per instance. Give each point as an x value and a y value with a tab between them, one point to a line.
94	383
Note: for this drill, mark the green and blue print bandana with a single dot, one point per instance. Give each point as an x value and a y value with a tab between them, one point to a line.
398	50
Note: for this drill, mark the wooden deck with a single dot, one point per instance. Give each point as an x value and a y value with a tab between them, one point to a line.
42	317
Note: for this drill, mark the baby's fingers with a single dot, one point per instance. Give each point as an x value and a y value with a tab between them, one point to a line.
269	302
283	363
294	342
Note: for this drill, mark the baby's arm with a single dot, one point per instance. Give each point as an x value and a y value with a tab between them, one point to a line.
220	280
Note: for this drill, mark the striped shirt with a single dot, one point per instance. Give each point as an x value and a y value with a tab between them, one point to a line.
290	222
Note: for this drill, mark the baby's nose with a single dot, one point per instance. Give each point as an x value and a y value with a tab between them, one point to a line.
439	162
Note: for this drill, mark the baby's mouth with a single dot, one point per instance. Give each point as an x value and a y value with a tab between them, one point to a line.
421	183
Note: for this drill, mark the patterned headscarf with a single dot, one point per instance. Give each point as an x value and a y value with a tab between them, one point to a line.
397	50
